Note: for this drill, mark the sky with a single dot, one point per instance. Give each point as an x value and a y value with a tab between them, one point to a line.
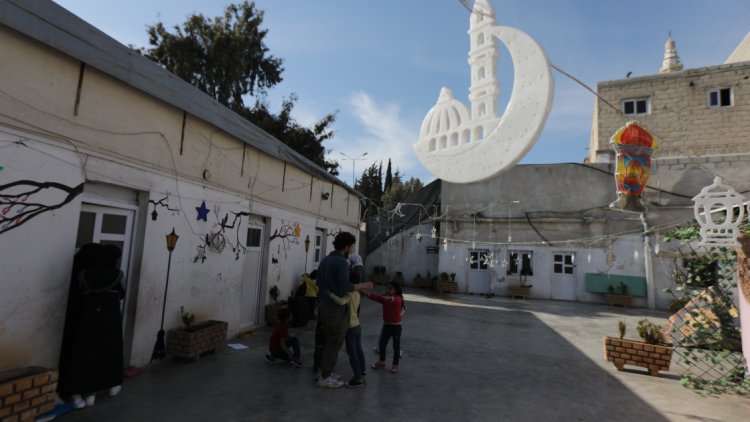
379	65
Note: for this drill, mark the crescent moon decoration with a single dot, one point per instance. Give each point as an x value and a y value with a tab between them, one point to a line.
463	145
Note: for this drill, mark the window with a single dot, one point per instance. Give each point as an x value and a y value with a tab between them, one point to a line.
253	237
478	260
635	106
520	263
720	98
563	264
319	247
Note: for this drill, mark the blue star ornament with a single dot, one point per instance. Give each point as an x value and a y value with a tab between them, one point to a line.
202	211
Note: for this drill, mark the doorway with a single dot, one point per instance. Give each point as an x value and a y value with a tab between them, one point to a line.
479	275
110	225
252	273
563	276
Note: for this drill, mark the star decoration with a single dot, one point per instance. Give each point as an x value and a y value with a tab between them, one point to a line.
297	230
202	211
434	232
418	236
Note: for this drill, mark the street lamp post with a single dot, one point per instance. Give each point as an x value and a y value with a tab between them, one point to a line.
160	351
354	160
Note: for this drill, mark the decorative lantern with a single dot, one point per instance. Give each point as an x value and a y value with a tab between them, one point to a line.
634	146
719	211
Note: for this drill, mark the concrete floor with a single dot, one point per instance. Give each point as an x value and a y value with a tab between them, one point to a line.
466	358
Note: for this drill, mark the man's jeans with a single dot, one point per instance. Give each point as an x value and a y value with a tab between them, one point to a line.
334	321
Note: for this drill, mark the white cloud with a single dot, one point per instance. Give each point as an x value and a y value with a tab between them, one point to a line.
385	134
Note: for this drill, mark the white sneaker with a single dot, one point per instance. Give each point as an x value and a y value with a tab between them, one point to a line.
330	382
90	400
115	390
78	402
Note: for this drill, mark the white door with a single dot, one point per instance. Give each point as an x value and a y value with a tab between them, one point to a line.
252	270
109	226
479	274
320	248
563	276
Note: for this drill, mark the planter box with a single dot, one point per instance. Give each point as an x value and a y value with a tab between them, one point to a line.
26	393
619	300
519	291
447	286
424	283
191	343
621	352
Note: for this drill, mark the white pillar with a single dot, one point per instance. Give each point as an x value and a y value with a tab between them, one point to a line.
648	263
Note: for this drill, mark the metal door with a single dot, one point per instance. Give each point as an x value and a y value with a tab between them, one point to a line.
252	273
563	276
479	274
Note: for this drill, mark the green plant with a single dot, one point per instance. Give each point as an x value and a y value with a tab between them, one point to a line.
621	328
274	292
649	332
453	276
443	276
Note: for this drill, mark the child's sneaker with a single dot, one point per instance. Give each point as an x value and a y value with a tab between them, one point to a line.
355	383
378	365
270	358
115	390
296	363
329	382
394	369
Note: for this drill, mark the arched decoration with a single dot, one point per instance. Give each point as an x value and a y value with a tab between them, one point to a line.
454	139
433	144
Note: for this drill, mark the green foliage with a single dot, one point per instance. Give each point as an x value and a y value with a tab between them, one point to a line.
621	329
274	292
649	332
388	177
226	57
400	191
710	351
371	186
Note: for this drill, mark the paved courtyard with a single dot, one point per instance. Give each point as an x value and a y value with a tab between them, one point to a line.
466	358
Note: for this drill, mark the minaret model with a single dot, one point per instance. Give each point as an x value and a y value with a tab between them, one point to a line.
671	61
484	90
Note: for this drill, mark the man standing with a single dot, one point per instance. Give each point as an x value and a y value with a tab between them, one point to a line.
333	276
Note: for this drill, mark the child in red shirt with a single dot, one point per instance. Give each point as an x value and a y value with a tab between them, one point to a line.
393	308
282	345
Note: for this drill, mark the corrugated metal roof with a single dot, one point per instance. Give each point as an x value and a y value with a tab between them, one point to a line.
61	30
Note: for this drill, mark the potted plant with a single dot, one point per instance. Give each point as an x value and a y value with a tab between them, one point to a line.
618	295
273	308
444	284
194	339
652	353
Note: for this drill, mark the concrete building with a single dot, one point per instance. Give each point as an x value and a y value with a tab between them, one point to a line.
100	144
550	225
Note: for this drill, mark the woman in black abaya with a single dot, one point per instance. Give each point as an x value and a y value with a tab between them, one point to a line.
91	356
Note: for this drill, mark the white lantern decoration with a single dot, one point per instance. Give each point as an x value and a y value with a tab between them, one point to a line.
719	211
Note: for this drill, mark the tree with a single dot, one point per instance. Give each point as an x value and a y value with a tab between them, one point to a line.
388	177
370	185
400	191
226	57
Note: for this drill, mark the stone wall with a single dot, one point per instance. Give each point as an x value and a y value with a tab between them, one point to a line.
679	114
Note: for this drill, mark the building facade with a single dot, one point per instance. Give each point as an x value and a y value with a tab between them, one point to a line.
101	145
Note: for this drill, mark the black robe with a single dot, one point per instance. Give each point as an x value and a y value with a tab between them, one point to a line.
91	358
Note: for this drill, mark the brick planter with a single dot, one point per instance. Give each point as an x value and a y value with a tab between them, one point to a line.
519	291
26	393
653	357
191	343
447	286
619	300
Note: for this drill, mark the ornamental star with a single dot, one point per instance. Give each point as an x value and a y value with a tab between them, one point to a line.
202	211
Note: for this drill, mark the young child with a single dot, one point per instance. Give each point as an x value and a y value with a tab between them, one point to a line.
393	308
353	336
282	345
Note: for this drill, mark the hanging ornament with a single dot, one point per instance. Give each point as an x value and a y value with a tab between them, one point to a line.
445	245
719	211
588	258
657	249
154	214
418	236
202	211
634	146
636	255
434	232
